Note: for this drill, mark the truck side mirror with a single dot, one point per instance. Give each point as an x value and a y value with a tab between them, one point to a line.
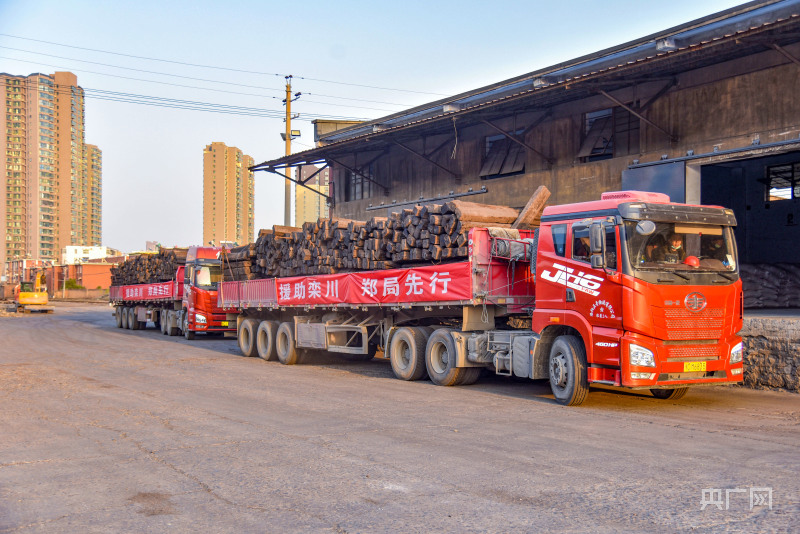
597	244
597	241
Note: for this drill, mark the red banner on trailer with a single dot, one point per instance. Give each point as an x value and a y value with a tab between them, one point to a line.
148	291
439	283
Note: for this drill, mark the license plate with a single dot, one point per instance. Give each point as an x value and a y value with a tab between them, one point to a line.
691	367
224	323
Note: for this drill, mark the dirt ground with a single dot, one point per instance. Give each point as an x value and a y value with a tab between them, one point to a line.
108	430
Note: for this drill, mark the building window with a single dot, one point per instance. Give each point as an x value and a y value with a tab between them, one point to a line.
608	133
502	157
783	182
356	186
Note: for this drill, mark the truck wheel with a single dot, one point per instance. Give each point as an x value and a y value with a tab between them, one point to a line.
567	366
669	394
285	347
265	340
471	375
247	337
118	316
172	330
133	320
188	334
162	322
440	359
407	353
123	314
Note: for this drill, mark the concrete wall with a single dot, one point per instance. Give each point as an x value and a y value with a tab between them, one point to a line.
772	352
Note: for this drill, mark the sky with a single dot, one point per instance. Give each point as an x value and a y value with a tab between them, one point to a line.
349	59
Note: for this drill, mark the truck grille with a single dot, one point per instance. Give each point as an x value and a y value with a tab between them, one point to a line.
684	324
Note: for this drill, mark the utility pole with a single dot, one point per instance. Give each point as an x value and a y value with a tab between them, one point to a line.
287	193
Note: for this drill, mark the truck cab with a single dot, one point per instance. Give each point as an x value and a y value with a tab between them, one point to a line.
201	276
643	293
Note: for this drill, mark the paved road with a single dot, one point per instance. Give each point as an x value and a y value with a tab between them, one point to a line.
107	430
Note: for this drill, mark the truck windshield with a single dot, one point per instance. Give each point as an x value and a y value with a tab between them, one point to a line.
676	247
208	276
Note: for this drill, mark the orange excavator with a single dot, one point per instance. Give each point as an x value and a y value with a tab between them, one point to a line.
32	296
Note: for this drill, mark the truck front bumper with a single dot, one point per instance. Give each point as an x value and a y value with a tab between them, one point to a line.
680	364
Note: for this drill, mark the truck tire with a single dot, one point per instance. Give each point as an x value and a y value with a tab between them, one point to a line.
188	334
247	337
407	353
124	317
285	347
133	320
118	316
471	375
172	330
567	370
440	359
163	322
265	340
669	394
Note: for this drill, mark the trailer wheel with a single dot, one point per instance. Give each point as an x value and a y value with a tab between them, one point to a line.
407	353
440	359
669	394
123	315
265	340
247	337
287	351
118	316
567	370
163	322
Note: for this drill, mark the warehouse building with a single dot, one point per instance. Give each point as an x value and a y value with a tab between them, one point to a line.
706	112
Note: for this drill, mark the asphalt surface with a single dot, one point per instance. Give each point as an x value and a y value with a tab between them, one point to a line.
107	430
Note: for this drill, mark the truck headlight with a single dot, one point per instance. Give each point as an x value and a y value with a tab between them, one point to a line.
641	356
200	319
736	353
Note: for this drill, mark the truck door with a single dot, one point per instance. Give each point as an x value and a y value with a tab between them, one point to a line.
550	282
188	282
595	294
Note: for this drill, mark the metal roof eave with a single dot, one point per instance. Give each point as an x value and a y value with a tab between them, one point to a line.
765	15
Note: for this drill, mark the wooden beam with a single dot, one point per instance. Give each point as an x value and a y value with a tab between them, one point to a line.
303	182
320	193
786	53
429	160
661	92
532	212
513	138
636	113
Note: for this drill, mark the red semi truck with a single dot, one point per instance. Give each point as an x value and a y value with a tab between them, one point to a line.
632	291
186	304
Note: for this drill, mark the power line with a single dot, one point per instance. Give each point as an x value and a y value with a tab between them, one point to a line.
132	98
185	77
200	88
221	68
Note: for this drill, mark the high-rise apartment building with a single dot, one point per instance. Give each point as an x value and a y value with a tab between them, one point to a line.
308	205
52	192
228	195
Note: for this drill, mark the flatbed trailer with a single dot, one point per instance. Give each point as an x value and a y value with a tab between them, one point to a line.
578	301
